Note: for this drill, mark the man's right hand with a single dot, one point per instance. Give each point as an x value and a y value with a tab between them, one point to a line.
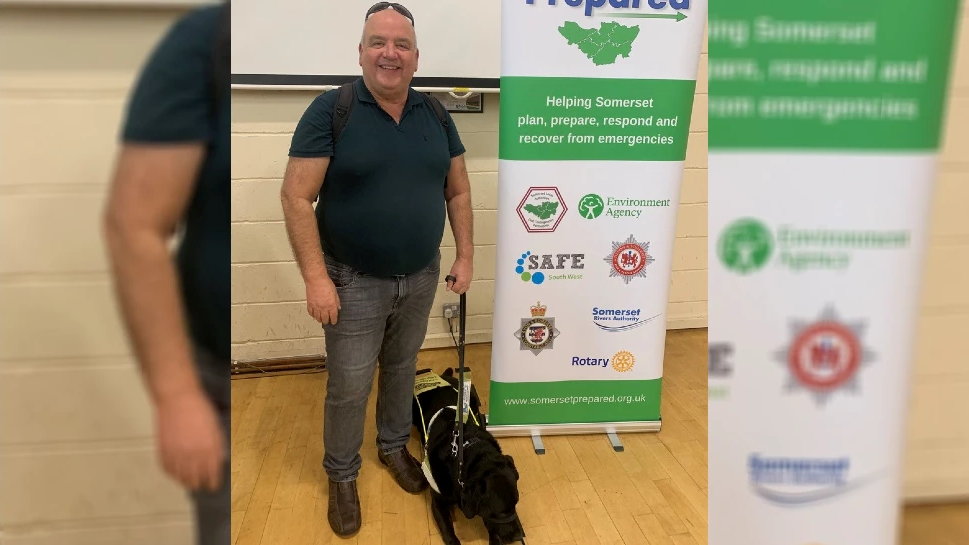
322	301
190	440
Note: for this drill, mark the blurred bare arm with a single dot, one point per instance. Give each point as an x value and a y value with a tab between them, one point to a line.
151	189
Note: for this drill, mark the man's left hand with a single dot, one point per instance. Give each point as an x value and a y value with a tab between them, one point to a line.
462	269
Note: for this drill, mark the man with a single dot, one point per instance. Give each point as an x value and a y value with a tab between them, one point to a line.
369	254
173	168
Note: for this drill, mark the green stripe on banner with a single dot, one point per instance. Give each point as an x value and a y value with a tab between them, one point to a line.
590	119
860	75
574	402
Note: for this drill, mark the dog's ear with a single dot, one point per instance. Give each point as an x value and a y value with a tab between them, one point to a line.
471	498
448	372
511	464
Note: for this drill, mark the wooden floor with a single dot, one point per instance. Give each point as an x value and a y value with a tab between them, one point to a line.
580	492
936	525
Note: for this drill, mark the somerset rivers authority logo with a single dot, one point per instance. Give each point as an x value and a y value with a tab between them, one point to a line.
538	332
615	320
792	482
592	206
748	245
825	355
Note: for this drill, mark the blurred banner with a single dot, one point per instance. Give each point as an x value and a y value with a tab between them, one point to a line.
596	105
825	121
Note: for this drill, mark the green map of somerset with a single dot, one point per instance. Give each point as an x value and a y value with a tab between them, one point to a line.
543	211
604	45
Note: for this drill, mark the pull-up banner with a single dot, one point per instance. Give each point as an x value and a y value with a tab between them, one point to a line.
825	121
596	103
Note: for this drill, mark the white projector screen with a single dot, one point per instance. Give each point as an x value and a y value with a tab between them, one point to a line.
300	43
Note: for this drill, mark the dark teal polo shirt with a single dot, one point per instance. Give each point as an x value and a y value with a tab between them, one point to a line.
382	209
172	102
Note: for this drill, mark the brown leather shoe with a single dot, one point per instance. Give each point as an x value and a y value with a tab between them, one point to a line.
344	509
405	469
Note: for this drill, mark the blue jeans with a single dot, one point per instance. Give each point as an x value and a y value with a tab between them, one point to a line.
380	320
213	524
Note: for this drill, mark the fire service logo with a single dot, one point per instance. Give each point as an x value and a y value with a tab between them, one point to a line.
538	332
825	355
629	259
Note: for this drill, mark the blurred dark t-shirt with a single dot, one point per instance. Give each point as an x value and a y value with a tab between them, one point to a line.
173	101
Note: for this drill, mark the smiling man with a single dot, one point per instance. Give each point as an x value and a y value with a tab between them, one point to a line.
386	173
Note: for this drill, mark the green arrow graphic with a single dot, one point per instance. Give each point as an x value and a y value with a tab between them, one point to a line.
678	15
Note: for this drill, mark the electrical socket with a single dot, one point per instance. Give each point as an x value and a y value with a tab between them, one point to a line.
451	310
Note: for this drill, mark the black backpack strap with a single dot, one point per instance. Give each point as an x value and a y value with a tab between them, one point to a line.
441	114
341	112
221	55
438	109
344	105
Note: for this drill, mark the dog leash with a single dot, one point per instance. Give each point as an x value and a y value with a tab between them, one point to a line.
464	399
464	394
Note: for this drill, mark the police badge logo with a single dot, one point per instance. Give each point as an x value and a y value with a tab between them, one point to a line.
538	332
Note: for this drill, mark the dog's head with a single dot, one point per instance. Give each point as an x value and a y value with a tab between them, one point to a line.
492	494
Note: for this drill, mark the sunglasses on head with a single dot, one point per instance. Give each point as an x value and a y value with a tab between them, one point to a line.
380	6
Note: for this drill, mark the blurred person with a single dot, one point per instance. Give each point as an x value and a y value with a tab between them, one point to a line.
370	258
173	171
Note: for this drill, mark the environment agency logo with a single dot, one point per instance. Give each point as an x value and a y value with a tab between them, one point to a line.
592	206
748	245
825	355
542	209
745	246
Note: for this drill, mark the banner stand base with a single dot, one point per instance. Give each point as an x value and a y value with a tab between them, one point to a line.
616	443
611	429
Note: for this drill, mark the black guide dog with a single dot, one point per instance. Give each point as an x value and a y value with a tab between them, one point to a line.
490	478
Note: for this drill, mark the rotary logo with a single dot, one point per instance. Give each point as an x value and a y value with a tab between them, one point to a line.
623	361
825	355
629	259
538	332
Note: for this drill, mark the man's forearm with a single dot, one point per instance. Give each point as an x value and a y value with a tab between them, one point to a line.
147	288
304	237
462	224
